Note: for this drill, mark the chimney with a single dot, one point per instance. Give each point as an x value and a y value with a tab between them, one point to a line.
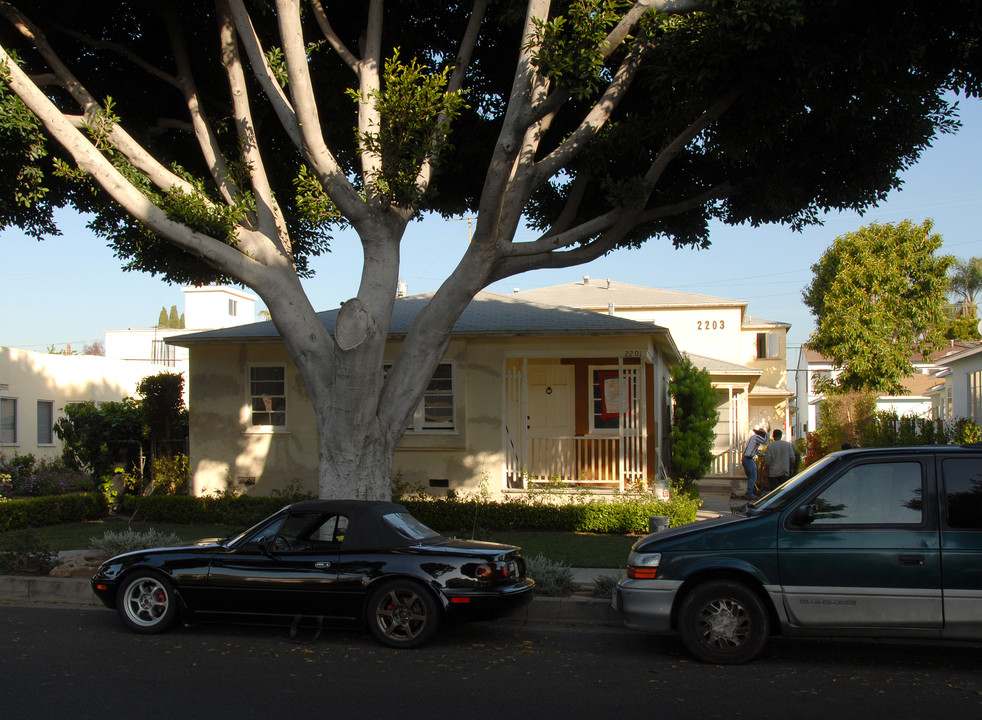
586	279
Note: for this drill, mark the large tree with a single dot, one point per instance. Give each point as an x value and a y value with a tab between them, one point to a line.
227	139
878	297
966	282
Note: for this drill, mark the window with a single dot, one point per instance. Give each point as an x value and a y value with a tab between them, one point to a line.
612	396
873	494
768	346
8	421
46	422
267	395
963	493
233	307
162	353
975	396
435	412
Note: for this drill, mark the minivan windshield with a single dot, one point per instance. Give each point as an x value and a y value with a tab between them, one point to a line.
779	499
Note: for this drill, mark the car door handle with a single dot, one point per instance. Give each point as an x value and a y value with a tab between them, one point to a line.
911	559
322	565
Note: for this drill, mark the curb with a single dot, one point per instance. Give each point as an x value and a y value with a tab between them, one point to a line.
19	589
16	589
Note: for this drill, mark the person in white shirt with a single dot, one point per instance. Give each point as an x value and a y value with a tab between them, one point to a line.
750	451
780	460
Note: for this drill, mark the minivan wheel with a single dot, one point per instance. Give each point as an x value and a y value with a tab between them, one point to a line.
723	622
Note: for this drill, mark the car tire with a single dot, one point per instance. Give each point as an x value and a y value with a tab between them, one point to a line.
146	602
723	622
402	614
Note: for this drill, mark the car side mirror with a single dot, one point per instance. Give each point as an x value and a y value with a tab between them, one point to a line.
803	515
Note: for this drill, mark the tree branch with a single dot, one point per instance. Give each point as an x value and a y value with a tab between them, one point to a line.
264	74
323	162
121	140
219	255
347	57
467	45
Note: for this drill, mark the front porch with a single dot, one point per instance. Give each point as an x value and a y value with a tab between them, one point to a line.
580	422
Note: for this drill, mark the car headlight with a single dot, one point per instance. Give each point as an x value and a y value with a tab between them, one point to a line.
643	566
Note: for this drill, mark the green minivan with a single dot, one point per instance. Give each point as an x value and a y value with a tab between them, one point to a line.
883	542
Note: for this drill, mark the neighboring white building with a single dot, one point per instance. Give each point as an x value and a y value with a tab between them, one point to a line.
958	393
205	308
930	390
745	357
35	388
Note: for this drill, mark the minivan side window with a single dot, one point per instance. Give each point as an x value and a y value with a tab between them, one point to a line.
888	493
963	493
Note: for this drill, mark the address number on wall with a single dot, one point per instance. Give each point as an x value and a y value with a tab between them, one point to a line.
632	353
710	325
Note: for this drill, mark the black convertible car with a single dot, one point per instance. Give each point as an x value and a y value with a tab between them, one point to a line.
325	562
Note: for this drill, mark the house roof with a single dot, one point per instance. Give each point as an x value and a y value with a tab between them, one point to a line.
715	366
487	315
599	294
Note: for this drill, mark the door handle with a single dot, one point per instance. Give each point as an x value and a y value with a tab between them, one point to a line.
322	565
912	560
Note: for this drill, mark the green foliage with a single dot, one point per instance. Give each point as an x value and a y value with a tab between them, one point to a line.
164	413
843	418
878	296
552	578
693	421
25	553
171	476
92	434
410	105
51	510
571	47
25	199
116	543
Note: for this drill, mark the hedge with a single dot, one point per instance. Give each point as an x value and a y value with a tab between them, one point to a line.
598	516
17	514
621	516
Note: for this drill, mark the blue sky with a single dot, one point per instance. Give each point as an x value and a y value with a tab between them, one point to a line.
69	289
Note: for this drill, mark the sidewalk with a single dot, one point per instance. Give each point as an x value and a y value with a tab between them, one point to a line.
577	609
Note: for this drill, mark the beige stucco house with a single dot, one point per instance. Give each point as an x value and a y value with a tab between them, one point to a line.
526	394
746	357
35	388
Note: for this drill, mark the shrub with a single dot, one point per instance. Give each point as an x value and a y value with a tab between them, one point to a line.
117	543
552	579
17	514
603	586
25	554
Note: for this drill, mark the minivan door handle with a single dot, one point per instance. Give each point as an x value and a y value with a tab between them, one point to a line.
911	559
322	565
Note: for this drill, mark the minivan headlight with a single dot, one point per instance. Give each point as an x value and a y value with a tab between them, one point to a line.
643	566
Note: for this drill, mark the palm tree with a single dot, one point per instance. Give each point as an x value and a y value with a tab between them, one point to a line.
966	281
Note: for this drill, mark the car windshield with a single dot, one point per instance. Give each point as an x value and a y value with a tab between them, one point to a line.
778	499
409	527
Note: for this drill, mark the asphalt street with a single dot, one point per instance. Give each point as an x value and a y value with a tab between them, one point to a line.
81	663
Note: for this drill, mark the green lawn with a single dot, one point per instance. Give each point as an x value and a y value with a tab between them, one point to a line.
574	549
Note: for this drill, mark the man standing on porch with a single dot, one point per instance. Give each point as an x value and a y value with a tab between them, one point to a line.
750	451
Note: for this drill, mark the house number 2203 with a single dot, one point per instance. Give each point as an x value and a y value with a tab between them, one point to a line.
710	325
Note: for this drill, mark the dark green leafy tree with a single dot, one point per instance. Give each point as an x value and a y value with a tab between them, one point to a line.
228	140
693	421
174	319
163	321
95	436
878	296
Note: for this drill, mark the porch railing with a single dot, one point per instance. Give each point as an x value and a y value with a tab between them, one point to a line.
595	460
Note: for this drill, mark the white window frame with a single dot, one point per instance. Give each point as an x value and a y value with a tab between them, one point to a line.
418	423
267	398
7	424
233	307
771	346
46	435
